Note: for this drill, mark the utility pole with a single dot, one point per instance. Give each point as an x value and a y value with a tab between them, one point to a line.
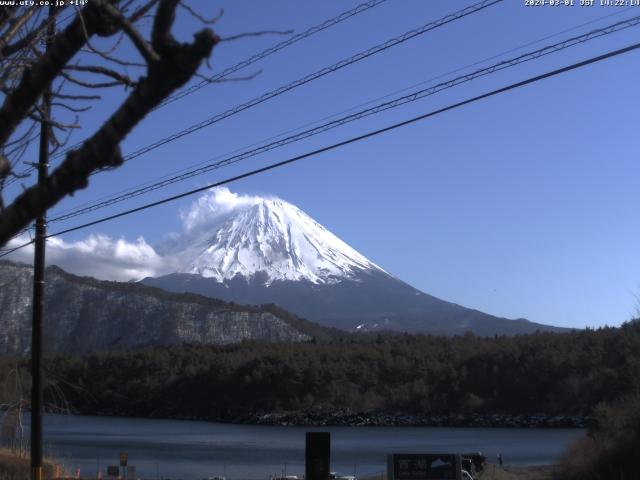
37	382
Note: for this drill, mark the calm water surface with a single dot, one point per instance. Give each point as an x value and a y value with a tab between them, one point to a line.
196	450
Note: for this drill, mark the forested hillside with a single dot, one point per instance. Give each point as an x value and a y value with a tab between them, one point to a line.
547	373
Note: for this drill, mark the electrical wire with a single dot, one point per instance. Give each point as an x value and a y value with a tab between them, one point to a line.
306	79
271	50
311	77
351	140
477	7
28	171
409	98
405	89
256	57
320	73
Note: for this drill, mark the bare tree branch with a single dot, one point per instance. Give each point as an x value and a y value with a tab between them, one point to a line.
13	30
142	11
232	79
18	175
7	50
64	96
5	14
58	145
21	138
70	108
39	116
53	135
177	64
5	167
140	43
82	83
107	55
161	31
107	29
34	81
196	15
255	34
107	72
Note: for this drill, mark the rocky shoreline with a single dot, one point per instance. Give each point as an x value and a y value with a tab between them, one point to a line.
345	418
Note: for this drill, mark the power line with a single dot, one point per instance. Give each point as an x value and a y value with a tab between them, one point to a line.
314	76
492	57
273	137
307	79
304	80
411	97
271	50
31	138
351	140
363	7
9	251
259	56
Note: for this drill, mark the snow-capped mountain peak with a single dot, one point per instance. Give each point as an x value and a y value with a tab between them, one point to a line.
274	237
258	250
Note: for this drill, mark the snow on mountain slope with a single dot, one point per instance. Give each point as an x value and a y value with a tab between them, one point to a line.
254	250
274	237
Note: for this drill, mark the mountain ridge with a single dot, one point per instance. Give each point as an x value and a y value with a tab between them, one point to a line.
265	250
376	302
84	314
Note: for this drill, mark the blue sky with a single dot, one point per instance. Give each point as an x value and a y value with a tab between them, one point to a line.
521	205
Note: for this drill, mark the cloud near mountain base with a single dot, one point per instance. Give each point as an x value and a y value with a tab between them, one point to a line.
99	256
106	258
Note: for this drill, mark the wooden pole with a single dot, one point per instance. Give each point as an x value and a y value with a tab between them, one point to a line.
37	381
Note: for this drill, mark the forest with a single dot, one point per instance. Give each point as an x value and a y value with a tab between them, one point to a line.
543	373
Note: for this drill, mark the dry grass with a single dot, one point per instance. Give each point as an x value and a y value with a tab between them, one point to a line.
7	457
15	468
10	463
493	472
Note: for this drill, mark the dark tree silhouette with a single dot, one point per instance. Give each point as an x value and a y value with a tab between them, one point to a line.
78	71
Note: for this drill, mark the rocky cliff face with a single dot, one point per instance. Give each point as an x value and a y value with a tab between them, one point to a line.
83	314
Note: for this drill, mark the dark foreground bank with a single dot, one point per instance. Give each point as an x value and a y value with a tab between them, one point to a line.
494	472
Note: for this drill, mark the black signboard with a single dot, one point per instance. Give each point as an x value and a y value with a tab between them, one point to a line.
424	466
131	472
113	470
317	453
123	459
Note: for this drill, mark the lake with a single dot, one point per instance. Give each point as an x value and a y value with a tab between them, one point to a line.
196	450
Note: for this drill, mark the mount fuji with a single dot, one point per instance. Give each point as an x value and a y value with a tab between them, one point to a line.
276	239
265	250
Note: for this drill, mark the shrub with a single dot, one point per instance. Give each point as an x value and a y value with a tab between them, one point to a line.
611	449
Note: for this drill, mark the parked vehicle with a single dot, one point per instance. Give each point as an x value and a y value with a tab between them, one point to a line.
337	476
478	462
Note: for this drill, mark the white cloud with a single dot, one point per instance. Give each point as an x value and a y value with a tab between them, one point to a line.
200	220
100	256
106	258
208	208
